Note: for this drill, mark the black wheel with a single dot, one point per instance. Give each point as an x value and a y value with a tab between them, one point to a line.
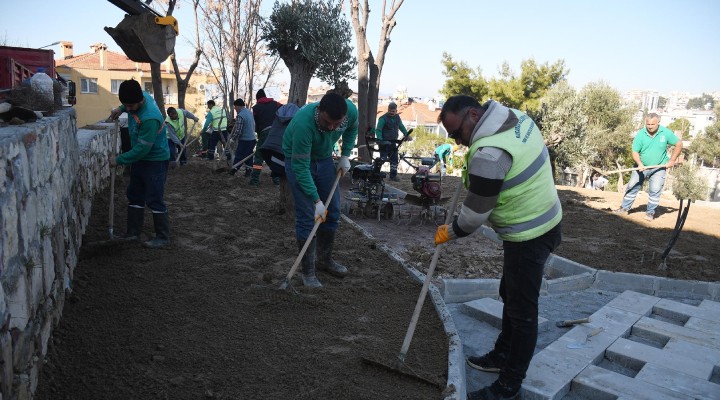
388	211
368	211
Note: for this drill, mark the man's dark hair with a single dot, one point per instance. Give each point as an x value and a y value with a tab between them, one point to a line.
171	109
334	105
211	103
239	102
455	104
260	94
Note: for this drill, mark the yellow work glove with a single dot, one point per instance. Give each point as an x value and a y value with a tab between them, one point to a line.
443	234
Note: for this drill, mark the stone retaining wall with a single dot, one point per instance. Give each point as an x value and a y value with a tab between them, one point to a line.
49	173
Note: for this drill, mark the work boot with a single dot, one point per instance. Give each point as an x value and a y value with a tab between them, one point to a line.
135	220
255	177
490	362
325	240
649	216
496	391
233	171
620	211
276	180
394	178
162	232
308	265
248	171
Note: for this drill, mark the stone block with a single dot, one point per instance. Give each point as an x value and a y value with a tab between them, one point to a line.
6	363
709	305
550	374
557	266
462	290
570	283
635	355
48	264
667	287
614	321
18	304
490	311
682	312
634	302
9	234
660	331
599	383
621	281
679	382
696	351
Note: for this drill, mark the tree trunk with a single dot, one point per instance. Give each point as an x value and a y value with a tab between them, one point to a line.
300	76
156	76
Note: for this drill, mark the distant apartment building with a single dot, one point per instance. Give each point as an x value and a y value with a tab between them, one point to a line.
98	74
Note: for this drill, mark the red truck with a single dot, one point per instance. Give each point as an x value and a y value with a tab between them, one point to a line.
20	63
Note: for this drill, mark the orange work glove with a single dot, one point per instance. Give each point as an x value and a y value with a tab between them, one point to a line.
443	234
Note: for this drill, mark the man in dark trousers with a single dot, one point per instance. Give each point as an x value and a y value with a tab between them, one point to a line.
264	113
386	133
311	173
510	185
148	160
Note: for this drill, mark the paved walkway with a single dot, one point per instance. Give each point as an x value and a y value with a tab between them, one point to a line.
647	337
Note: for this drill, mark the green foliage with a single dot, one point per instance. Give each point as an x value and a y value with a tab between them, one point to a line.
462	80
682	125
315	34
688	184
521	92
700	102
706	146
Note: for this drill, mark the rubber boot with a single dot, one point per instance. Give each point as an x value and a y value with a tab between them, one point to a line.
135	221
325	240
308	265
255	177
162	232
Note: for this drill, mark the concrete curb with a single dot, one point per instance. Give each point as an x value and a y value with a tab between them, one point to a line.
455	389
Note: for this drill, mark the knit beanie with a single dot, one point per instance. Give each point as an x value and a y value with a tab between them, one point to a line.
130	92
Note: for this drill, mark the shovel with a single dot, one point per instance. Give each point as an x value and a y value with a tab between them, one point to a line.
286	282
398	364
184	146
237	164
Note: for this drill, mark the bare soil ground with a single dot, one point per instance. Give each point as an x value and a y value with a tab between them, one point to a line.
592	235
204	319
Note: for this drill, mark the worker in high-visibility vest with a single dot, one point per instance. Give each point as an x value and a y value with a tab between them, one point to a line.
177	128
217	119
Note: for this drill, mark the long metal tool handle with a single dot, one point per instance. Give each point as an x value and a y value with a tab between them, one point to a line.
237	164
428	277
290	274
628	169
113	152
184	146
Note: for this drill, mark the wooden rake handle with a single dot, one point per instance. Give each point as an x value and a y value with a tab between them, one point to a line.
428	277
290	274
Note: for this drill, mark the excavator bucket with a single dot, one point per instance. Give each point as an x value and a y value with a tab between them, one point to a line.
143	39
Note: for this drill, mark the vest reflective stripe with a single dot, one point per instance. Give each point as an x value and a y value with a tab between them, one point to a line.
533	223
219	122
531	170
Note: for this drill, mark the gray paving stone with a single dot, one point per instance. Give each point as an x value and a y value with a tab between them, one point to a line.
681	311
679	382
661	331
710	305
490	311
692	350
599	383
592	351
635	355
462	290
703	325
550	374
634	302
614	321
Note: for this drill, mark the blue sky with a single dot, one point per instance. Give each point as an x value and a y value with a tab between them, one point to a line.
659	45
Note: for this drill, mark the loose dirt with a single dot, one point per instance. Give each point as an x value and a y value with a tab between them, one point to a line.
204	319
